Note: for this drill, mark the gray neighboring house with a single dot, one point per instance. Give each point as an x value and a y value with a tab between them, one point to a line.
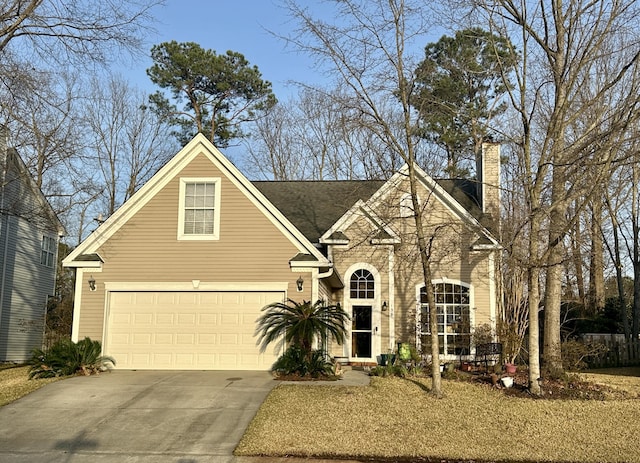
29	236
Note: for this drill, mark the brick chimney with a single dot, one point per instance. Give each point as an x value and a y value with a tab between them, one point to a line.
488	174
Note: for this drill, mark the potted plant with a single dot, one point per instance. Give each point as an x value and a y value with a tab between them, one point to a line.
387	359
510	368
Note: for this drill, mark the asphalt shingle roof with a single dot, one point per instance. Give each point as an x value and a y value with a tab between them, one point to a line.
314	206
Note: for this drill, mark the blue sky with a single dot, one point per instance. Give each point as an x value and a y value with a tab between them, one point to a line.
239	25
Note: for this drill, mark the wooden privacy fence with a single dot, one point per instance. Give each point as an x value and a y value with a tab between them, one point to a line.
618	354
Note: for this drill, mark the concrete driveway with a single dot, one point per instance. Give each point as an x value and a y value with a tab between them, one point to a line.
134	416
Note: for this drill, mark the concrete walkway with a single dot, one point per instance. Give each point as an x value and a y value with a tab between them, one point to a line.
141	416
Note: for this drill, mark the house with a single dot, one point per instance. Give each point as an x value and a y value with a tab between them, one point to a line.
177	277
29	236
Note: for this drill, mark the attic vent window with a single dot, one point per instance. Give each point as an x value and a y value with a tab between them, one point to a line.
199	215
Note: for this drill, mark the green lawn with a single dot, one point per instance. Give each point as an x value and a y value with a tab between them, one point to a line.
397	418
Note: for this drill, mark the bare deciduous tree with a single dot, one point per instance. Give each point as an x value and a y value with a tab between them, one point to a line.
129	142
576	93
75	31
366	51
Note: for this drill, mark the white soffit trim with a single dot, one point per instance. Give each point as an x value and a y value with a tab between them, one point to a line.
82	264
198	145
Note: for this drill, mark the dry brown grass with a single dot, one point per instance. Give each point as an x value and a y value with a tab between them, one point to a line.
625	379
15	383
397	418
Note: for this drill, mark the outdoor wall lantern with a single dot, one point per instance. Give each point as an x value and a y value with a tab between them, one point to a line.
384	306
92	284
300	283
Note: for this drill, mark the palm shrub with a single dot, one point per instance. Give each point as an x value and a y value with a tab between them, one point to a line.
67	358
300	324
294	362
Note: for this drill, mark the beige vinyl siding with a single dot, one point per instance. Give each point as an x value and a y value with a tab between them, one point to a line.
452	260
146	249
377	256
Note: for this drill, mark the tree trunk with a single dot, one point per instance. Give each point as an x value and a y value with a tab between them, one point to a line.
552	354
534	331
424	250
596	260
577	262
534	305
635	217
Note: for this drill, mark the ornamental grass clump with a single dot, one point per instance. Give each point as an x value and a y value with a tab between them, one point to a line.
66	358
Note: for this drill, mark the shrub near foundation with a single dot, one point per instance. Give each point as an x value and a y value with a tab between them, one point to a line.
66	358
295	362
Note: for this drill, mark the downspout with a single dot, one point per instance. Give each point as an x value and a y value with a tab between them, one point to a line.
329	272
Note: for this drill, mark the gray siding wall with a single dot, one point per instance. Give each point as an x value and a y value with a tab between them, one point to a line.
25	288
25	283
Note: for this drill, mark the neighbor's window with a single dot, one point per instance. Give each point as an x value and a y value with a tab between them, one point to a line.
48	251
454	327
199	209
362	285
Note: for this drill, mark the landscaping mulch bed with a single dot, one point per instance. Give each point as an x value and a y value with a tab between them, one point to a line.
571	388
295	377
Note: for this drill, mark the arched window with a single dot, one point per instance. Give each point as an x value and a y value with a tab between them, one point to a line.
454	325
362	285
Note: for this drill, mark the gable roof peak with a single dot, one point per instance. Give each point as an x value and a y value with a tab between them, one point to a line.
197	146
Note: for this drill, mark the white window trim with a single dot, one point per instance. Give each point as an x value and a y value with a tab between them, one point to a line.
376	315
216	211
48	253
472	309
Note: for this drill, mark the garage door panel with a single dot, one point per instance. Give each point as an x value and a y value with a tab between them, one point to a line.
163	338
201	330
165	319
207	338
142	299
143	360
231	319
186	339
208	319
186	318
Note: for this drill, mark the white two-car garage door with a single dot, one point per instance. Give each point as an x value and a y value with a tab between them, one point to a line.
190	330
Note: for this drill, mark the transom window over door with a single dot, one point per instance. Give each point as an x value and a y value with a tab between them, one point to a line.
454	326
199	213
362	285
